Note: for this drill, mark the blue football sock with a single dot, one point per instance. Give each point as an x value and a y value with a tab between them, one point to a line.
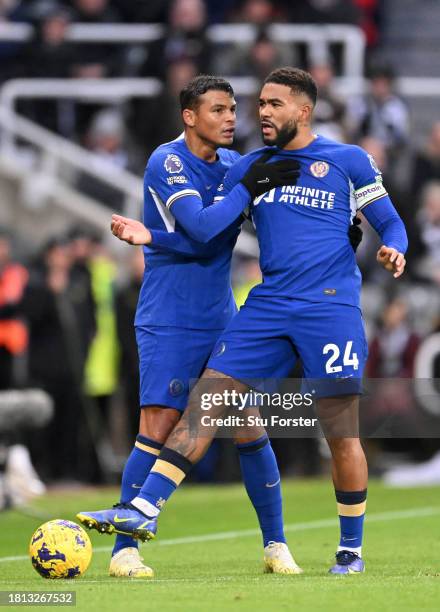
136	470
262	481
351	510
164	478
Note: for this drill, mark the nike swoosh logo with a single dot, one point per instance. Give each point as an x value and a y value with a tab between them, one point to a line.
136	486
274	484
348	539
266	180
122	520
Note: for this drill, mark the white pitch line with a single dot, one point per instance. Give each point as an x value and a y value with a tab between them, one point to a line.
230	535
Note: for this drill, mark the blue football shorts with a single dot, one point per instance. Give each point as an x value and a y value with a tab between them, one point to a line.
169	357
268	335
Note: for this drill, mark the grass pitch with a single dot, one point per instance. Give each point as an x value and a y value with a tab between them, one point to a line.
207	555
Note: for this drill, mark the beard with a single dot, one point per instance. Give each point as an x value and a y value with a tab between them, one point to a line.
283	135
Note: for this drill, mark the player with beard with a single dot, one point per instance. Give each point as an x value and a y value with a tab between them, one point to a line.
306	306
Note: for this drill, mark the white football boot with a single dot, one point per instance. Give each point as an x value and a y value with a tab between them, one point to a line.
278	560
128	563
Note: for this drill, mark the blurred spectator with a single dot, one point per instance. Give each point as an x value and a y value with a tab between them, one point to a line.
392	354
143	11
80	250
57	352
381	113
370	20
100	374
393	349
428	224
105	138
259	60
260	12
427	162
219	12
95	11
126	302
96	60
324	11
159	120
11	11
13	333
329	113
49	55
185	38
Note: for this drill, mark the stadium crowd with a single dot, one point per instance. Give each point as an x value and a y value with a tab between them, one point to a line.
66	320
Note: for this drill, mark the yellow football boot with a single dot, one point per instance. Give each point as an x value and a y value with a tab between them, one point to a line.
128	563
278	560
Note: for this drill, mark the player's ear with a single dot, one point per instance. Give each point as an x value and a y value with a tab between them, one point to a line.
188	117
306	113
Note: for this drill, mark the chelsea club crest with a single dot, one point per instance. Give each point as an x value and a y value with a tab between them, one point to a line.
319	169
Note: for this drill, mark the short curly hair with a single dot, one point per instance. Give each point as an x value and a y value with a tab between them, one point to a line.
298	80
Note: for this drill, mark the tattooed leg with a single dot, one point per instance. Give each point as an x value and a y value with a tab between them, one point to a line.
190	438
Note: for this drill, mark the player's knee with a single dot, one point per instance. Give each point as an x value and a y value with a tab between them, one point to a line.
157	422
251	428
346	449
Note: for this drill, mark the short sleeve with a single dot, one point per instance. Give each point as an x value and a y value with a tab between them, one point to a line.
365	177
167	177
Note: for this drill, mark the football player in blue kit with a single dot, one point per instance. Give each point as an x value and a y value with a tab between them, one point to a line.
307	304
185	303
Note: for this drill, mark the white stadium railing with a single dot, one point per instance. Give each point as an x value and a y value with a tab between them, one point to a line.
316	38
116	33
110	91
54	151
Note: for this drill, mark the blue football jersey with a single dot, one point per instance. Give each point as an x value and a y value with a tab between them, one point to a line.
182	290
305	251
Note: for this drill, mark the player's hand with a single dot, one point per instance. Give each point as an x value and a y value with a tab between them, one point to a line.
391	260
261	176
130	230
355	233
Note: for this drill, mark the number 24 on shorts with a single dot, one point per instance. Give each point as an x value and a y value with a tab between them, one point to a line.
349	359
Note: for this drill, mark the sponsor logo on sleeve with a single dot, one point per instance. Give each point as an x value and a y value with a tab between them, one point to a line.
173	164
177	180
373	164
